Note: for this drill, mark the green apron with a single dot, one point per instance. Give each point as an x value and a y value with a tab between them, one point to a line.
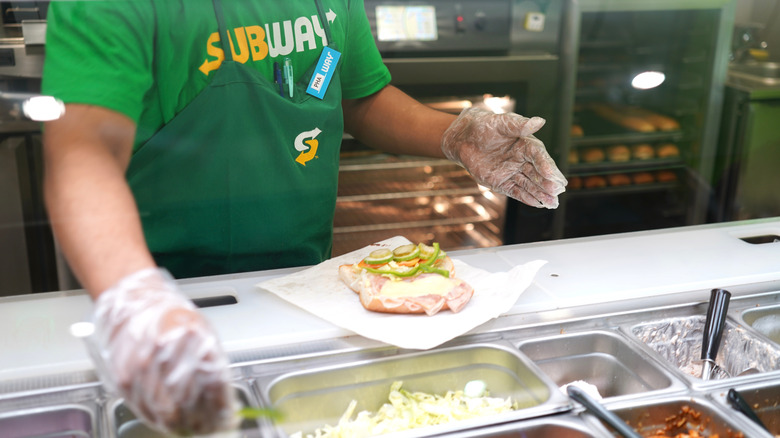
242	179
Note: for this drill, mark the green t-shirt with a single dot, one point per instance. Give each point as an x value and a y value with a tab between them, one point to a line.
148	59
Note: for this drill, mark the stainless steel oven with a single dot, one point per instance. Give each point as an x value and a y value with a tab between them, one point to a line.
27	250
501	54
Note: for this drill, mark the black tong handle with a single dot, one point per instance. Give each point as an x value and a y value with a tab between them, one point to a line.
737	402
716	321
601	412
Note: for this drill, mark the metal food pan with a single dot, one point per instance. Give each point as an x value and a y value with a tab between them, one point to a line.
557	426
604	359
765	320
54	421
312	398
763	397
124	424
678	341
654	416
68	411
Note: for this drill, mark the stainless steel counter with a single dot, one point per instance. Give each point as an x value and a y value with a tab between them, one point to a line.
584	276
594	294
760	79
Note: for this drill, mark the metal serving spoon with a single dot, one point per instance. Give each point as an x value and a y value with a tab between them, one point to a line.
604	414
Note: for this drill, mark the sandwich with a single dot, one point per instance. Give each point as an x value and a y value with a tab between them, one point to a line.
409	279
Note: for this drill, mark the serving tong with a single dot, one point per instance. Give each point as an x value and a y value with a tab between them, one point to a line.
740	404
579	395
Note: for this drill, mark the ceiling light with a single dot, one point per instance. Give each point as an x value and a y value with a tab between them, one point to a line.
647	80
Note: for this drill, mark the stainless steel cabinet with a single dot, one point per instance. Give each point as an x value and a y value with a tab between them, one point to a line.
747	171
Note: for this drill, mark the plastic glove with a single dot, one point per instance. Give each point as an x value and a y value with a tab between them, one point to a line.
501	154
153	347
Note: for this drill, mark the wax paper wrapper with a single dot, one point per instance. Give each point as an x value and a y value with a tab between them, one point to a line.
319	290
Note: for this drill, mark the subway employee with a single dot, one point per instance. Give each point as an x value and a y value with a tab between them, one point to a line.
202	137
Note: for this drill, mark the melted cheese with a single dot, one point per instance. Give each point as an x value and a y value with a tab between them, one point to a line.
428	285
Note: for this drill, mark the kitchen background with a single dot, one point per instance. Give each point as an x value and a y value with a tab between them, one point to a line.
703	154
763	15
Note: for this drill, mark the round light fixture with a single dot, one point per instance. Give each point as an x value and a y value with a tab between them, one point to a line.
43	108
647	80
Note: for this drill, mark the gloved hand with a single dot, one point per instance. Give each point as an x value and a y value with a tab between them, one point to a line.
501	154
156	350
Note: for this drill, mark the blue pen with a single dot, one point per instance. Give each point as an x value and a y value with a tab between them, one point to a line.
288	76
278	78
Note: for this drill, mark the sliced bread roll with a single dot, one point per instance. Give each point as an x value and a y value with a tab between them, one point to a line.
426	293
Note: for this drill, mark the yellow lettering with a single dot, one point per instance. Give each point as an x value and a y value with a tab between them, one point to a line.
214	51
257	44
243	55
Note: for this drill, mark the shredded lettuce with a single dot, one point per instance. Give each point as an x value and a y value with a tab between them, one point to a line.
408	410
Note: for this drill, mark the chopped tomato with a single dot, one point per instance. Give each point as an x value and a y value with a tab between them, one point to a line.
363	264
409	263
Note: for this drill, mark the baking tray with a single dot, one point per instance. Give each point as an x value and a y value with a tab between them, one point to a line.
412	212
434	199
599	131
411	178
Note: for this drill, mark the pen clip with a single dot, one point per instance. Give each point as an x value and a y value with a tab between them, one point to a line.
288	76
278	78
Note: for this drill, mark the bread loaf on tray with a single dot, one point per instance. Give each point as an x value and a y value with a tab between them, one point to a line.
635	118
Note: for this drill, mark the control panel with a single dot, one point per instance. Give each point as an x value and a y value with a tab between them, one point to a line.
440	26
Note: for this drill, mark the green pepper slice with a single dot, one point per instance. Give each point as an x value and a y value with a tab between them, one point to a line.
253	413
433	258
408	273
443	272
427	266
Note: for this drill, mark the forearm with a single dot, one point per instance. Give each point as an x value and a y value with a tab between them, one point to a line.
91	207
392	121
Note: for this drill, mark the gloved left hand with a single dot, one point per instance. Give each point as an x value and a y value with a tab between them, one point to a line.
501	153
153	347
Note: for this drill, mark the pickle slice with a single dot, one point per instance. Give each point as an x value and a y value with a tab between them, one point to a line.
379	257
406	252
426	251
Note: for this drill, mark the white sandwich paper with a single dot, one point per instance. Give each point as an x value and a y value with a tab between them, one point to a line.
319	291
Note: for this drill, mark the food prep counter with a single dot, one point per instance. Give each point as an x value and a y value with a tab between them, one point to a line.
622	312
